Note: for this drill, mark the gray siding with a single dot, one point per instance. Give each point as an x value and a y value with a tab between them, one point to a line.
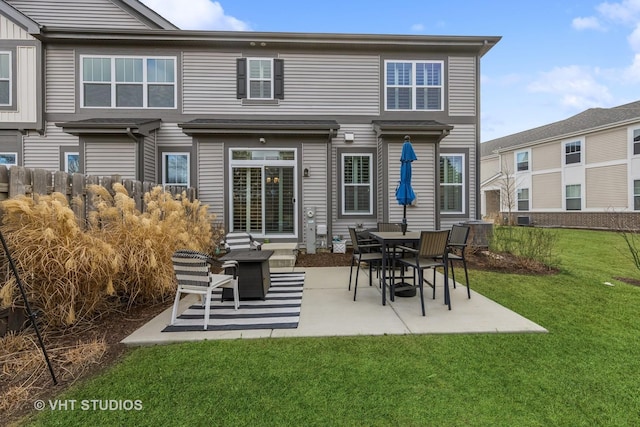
314	187
78	13
11	31
464	137
462	86
171	134
314	84
365	137
43	151
26	82
60	81
150	156
111	158
211	177
422	215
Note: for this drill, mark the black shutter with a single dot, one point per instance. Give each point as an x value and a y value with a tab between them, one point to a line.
278	78
241	78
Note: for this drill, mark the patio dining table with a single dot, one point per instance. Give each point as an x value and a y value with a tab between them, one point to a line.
388	240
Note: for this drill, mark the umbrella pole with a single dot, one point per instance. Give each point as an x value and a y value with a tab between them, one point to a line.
404	220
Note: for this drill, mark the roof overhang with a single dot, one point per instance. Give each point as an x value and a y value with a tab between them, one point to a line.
475	45
31	26
328	128
426	129
129	127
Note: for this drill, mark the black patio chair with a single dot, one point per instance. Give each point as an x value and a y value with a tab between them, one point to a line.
456	248
430	254
369	253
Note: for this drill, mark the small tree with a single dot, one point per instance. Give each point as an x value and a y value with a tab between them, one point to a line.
508	188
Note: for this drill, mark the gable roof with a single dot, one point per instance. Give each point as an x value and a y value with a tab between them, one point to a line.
588	121
131	14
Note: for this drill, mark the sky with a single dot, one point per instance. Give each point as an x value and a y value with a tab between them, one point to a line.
556	58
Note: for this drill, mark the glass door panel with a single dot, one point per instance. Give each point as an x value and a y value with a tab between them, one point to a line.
279	200
247	199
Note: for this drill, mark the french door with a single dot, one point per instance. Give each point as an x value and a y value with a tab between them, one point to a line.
263	196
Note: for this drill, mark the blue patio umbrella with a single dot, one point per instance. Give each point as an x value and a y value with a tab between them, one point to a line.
404	193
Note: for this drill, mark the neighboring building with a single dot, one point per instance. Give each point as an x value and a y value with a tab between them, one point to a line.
580	172
266	126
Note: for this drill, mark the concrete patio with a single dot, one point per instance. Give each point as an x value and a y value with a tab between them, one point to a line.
328	309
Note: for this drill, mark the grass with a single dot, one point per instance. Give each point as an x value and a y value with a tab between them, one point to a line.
584	372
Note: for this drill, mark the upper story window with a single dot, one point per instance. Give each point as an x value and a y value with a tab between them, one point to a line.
452	183
636	141
9	159
357	184
413	85
572	152
260	78
522	161
128	82
5	78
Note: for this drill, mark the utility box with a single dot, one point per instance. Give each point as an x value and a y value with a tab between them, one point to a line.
311	229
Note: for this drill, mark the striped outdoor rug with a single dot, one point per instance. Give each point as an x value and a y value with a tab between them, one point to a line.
279	310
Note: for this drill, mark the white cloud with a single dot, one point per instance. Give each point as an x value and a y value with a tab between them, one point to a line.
575	86
589	23
626	11
197	15
417	28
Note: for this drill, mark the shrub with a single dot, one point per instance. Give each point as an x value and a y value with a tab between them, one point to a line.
533	243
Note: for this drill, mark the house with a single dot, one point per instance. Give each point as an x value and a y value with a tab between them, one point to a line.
580	172
275	130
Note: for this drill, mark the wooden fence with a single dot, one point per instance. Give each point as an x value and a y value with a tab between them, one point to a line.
18	180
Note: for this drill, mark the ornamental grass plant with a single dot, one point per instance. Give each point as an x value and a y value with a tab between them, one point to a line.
74	271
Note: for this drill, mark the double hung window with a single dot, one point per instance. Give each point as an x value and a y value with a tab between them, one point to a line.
175	169
523	199
5	78
128	82
414	85
452	183
636	141
572	152
522	161
357	184
260	78
573	197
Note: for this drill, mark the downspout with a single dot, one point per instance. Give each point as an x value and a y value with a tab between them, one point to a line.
140	153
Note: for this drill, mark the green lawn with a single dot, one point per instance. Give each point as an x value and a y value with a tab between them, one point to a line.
584	372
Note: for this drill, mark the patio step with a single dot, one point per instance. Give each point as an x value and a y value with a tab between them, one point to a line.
284	254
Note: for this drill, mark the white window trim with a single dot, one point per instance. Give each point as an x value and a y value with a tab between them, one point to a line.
564	152
344	212
262	163
249	79
13	153
518	200
66	159
463	184
413	83
145	83
564	194
631	142
10	78
164	167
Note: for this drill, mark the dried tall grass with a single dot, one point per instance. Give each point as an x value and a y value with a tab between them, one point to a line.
66	272
146	241
72	272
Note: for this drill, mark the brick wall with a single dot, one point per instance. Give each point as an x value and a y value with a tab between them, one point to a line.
593	220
